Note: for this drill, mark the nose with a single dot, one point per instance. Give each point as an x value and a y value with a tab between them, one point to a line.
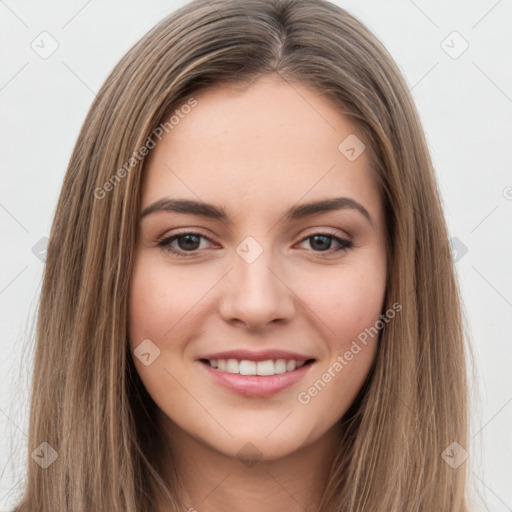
256	294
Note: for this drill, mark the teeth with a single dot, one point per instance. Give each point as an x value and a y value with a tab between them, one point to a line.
281	366
232	366
266	367
246	367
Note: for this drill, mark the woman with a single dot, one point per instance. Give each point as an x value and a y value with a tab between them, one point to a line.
305	352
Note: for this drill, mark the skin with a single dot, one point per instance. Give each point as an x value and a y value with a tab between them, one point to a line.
256	151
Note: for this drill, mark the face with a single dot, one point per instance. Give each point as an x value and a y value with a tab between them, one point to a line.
257	278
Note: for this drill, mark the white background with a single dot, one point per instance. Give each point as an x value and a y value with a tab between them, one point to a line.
465	105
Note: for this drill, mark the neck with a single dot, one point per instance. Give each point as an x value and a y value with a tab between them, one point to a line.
211	481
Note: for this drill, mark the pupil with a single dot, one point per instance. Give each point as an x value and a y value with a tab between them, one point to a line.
326	240
187	238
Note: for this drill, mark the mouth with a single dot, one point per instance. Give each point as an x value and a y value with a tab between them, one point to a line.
258	368
256	378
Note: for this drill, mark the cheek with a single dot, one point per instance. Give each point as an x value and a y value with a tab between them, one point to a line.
346	301
161	309
358	307
162	300
349	310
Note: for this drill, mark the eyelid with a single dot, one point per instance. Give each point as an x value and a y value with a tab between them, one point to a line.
185	231
328	231
316	231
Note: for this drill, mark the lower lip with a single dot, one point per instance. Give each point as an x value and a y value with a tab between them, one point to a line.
256	385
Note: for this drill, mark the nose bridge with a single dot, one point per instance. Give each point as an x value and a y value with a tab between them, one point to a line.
255	294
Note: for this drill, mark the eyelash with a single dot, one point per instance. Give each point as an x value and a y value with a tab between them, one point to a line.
165	243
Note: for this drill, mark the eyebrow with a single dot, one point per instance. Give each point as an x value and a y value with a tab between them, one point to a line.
187	206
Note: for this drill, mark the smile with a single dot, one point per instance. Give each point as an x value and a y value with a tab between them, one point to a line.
242	376
262	368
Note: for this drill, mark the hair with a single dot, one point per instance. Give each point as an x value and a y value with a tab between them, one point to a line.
88	401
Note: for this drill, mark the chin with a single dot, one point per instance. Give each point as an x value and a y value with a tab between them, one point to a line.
254	447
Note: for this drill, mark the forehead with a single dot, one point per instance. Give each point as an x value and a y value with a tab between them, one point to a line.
270	141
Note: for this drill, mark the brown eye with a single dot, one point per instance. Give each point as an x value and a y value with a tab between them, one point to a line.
185	243
323	242
189	242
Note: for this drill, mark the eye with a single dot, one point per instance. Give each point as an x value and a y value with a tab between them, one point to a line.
187	243
322	242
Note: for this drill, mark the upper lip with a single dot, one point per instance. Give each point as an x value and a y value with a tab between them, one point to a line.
263	355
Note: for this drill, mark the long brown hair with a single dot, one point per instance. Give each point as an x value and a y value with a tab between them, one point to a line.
88	402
